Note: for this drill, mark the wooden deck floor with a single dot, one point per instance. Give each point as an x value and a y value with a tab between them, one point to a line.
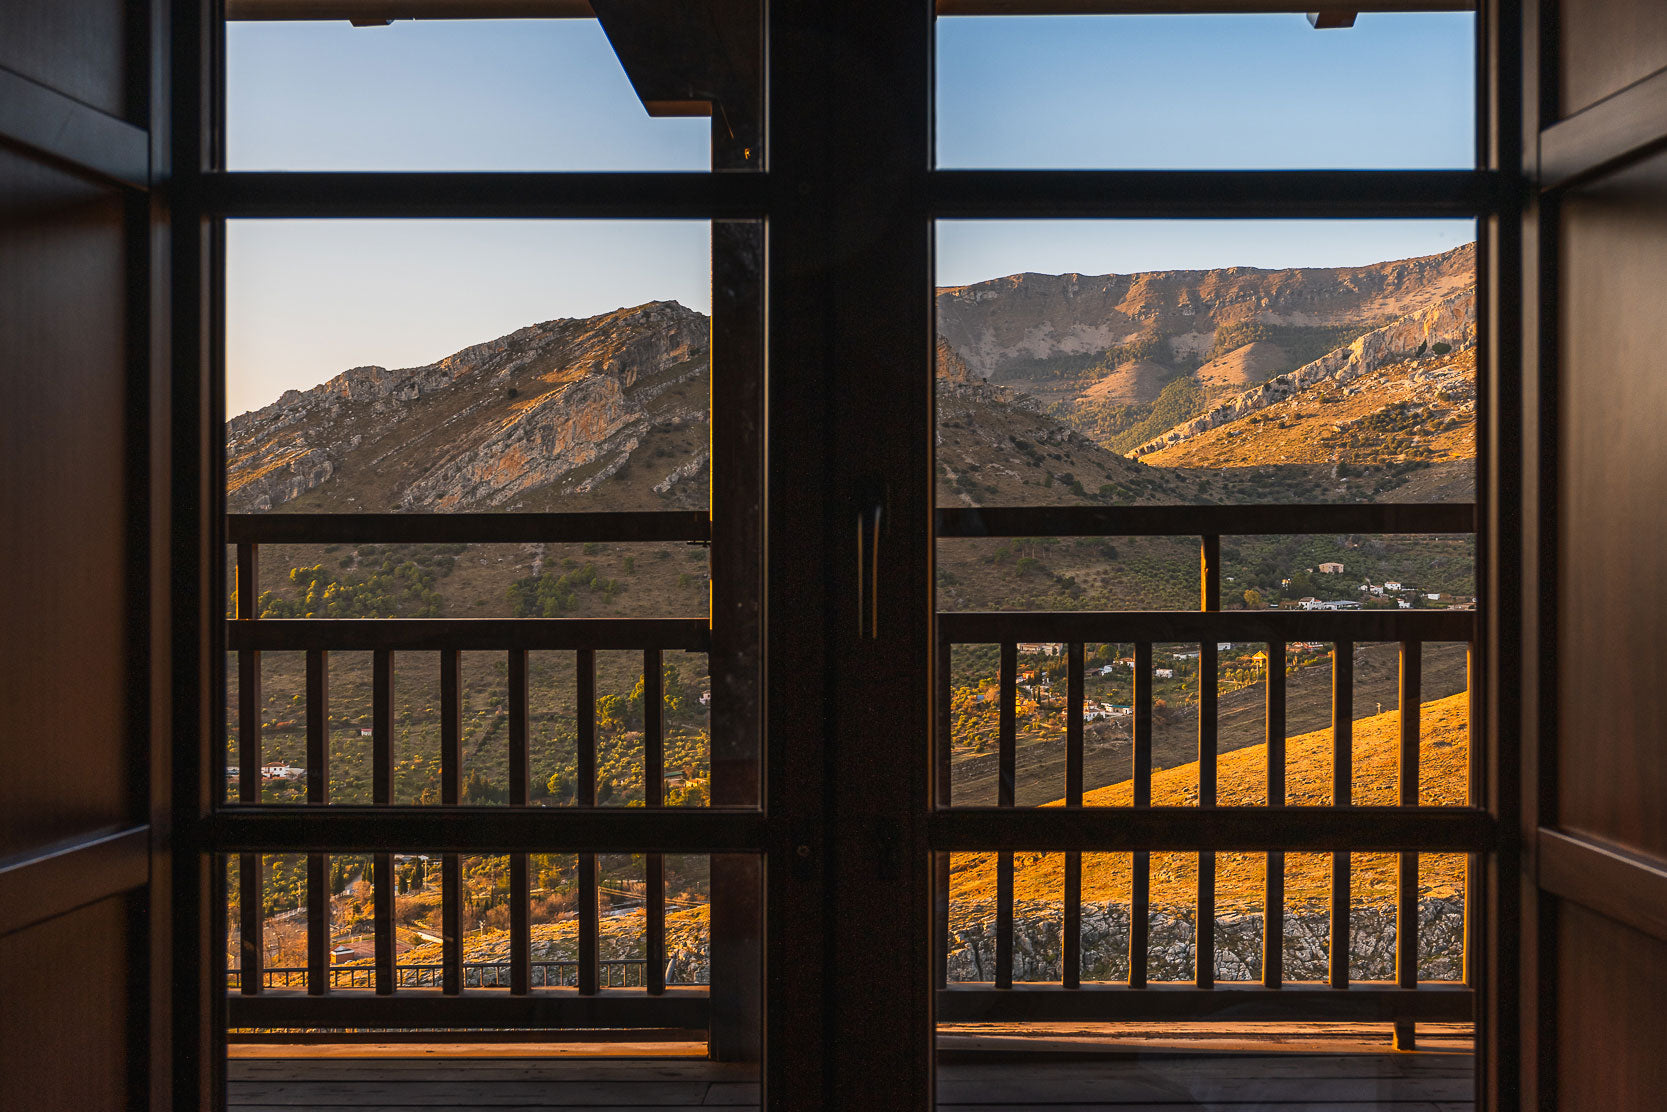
980	1070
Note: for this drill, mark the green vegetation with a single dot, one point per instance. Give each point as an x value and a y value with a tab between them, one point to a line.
403	590
547	594
1181	400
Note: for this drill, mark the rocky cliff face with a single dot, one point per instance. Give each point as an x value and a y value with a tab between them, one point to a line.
1000	325
1450	321
558	406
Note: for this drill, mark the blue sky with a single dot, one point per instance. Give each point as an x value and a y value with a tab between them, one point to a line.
307	299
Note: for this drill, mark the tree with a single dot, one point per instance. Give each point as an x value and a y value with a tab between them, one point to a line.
1253	598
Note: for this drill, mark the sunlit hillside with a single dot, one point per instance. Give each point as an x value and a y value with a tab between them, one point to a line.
1040	877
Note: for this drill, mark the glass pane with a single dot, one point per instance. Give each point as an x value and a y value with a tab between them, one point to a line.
498	1033
1198	362
454	365
443	95
1204	92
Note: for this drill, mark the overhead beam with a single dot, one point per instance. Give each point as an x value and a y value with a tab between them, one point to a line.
371	12
690	59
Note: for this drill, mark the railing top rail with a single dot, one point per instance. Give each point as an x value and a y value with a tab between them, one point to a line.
487	528
1194	521
990	627
471	634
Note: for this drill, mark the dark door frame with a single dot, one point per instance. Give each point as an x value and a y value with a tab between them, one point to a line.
848	200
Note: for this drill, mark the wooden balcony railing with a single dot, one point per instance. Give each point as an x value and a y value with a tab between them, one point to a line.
587	991
1206	829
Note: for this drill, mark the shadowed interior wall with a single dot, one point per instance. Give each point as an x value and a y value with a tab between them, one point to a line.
75	755
1605	957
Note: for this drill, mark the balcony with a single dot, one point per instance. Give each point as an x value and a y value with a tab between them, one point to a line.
350	1018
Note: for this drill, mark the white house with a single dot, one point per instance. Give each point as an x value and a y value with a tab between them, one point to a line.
366	731
1392	585
1045	648
1165	673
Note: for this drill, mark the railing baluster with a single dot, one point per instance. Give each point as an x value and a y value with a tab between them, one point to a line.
451	924
1008	748
585	755
249	755
1071	941
1406	889
654	795
318	725
451	726
1342	794
382	793
942	786
248	680
250	920
1209	573
1412	671
1004	919
1273	888
382	726
520	926
318	924
1007	742
1209	590
318	781
654	734
520	769
588	924
1472	863
520	776
383	888
1140	862
589	927
1204	925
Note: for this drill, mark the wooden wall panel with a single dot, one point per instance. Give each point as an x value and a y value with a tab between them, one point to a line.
1610	984
66	1030
1612	757
70	764
83	48
1606	46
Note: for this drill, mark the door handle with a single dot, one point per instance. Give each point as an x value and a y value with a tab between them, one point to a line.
871	506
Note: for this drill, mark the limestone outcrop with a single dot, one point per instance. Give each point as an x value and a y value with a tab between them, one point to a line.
558	405
1450	321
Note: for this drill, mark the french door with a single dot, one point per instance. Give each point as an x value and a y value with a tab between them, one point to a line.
833	818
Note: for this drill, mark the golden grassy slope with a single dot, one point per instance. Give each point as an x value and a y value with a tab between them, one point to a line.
1242	782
